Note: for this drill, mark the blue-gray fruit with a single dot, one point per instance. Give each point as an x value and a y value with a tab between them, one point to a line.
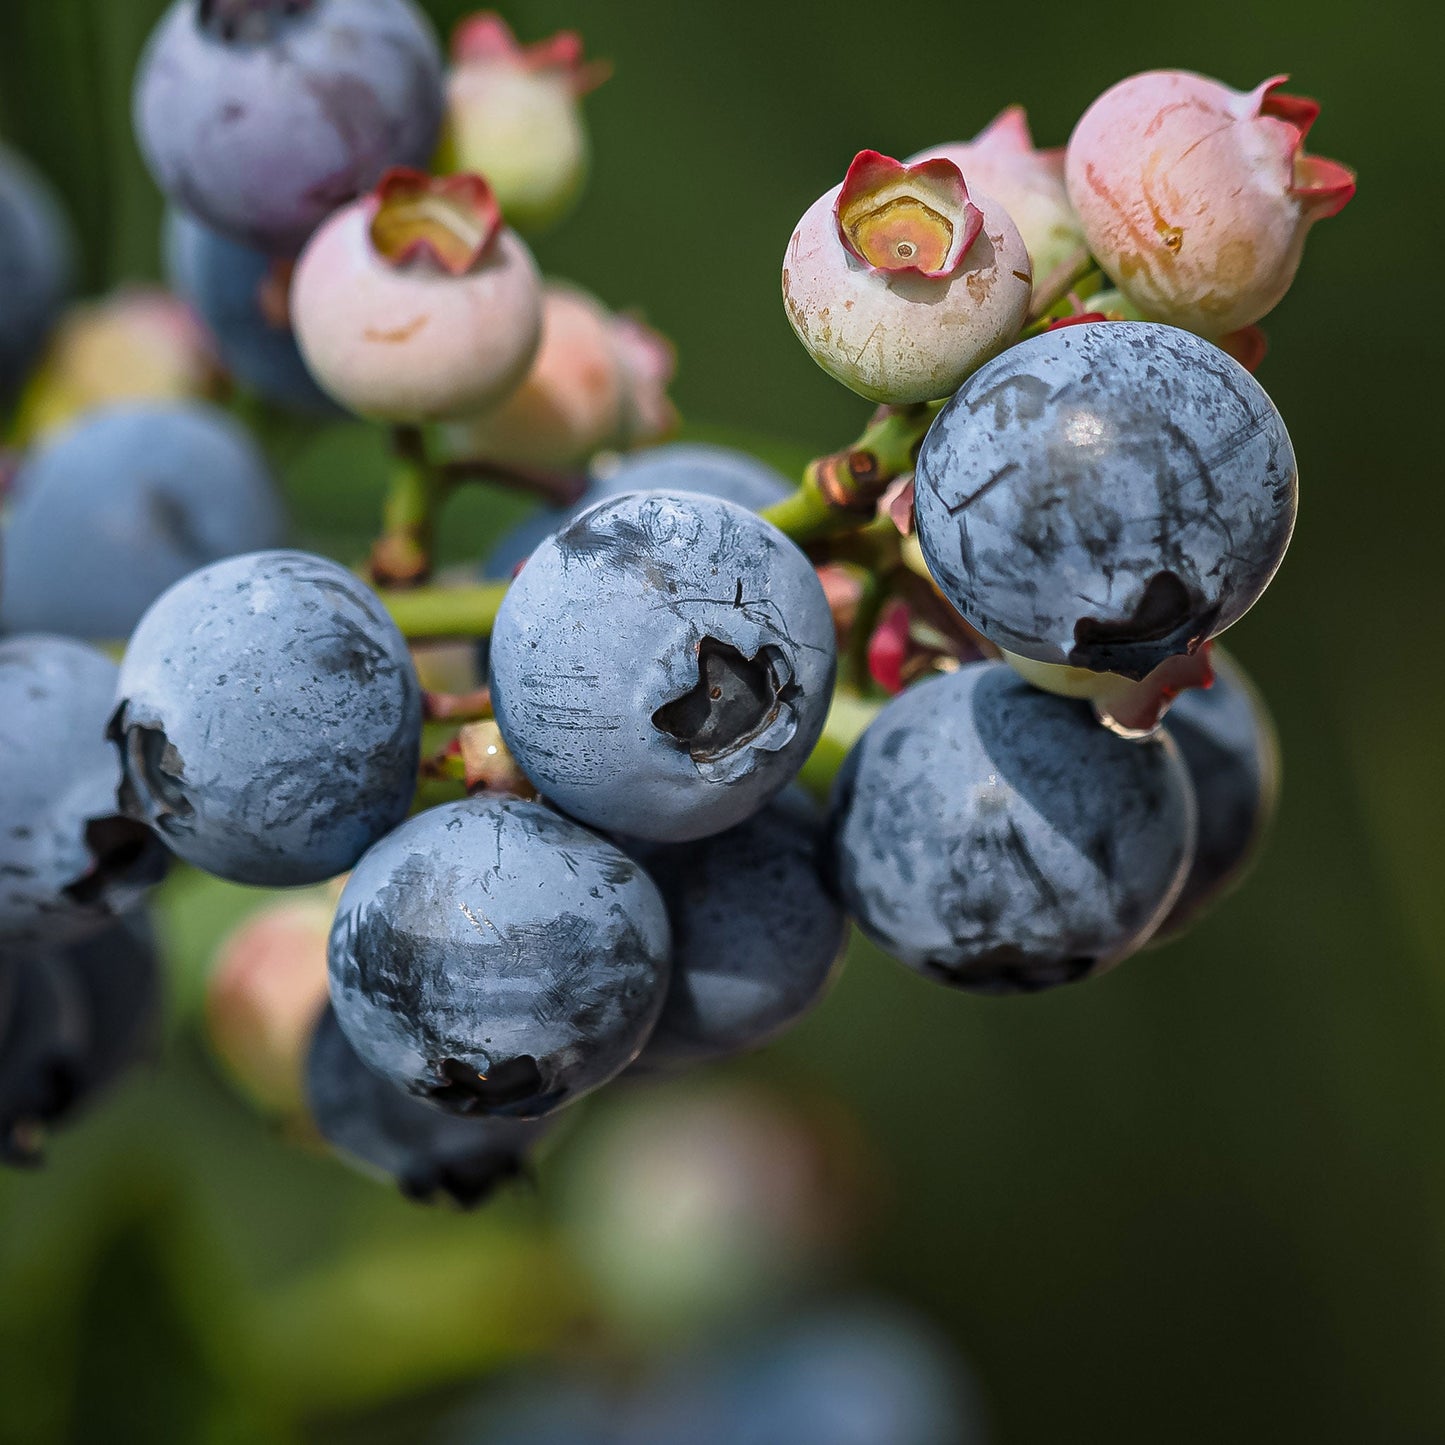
997	838
1228	743
382	1128
756	936
36	257
268	718
225	282
69	862
496	958
663	665
261	117
1106	496
117	507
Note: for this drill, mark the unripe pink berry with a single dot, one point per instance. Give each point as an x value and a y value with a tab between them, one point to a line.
592	385
416	303
513	116
138	344
265	993
1001	161
1197	198
900	283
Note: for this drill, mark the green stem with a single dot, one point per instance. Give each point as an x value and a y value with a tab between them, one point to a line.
435	613
840	492
402	556
865	621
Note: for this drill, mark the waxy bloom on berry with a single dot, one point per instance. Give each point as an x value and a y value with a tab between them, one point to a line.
1197	198
416	303
900	282
598	381
513	116
1001	161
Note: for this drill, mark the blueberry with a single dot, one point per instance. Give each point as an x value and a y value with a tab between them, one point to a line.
496	958
1106	496
663	665
119	506
1228	743
226	284
996	838
712	471
756	936
117	974
859	1374
42	1029
69	863
261	117
383	1128
36	256
269	719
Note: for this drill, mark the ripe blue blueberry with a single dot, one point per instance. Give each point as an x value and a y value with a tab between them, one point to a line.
494	957
996	838
35	265
1228	743
116	508
756	936
268	719
663	665
261	117
1106	496
69	863
227	284
384	1129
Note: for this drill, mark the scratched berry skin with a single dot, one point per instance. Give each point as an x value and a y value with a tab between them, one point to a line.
383	1129
261	117
268	719
996	838
663	665
1106	496
495	958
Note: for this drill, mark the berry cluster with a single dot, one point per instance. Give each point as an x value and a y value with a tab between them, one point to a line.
582	844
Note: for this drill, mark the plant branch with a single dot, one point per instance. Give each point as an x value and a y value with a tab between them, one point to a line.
436	613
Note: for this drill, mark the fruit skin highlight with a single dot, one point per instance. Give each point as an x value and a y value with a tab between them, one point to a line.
996	838
492	957
261	117
1106	496
663	665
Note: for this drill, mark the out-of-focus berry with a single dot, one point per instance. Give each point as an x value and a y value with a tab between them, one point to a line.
140	344
261	117
36	256
513	116
265	993
691	1205
1197	198
114	509
597	381
1002	162
416	303
243	296
900	281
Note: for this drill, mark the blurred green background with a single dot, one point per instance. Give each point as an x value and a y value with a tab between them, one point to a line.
1202	1199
